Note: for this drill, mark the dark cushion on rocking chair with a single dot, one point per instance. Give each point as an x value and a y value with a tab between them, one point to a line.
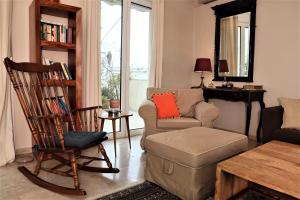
81	140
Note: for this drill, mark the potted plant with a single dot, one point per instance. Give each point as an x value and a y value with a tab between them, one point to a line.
114	90
110	83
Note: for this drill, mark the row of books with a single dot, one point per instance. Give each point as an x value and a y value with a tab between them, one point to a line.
64	66
56	32
56	105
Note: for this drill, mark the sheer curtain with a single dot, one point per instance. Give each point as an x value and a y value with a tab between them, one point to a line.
7	152
229	43
157	43
91	66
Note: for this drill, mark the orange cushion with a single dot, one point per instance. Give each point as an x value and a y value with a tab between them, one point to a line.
166	105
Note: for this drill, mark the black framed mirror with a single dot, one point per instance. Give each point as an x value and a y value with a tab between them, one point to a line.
234	41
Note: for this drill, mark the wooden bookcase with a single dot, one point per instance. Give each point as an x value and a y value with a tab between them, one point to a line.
69	53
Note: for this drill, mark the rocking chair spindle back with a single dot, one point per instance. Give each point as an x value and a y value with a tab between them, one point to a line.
56	129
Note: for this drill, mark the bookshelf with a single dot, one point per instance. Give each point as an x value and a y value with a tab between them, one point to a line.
68	52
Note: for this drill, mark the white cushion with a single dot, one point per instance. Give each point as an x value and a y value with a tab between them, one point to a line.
291	114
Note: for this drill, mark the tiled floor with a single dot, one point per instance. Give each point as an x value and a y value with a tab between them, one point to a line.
13	185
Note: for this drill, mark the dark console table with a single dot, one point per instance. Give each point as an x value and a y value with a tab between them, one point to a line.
238	94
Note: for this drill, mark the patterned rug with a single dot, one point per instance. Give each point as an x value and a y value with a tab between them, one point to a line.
150	191
144	191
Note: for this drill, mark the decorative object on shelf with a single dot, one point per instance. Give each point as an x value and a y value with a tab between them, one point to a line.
202	65
252	87
211	85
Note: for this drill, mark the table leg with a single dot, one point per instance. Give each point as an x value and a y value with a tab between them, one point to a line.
262	106
102	124
228	185
114	134
128	130
248	117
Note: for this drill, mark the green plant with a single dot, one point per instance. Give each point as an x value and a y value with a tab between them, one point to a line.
114	86
110	80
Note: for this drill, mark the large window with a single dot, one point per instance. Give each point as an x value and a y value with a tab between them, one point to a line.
139	59
125	55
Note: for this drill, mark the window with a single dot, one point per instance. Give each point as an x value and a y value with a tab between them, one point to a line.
125	55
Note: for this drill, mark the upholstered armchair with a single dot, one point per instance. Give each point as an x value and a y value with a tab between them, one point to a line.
194	111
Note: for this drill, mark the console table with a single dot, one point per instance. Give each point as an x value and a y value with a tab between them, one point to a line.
238	94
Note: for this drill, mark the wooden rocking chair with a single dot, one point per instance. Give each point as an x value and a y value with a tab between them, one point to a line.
43	96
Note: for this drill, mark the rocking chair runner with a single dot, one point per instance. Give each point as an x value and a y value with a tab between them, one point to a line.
41	91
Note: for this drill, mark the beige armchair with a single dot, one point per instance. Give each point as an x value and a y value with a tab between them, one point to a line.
193	109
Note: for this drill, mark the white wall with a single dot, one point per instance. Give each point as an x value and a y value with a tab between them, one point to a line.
20	44
276	63
178	42
20	48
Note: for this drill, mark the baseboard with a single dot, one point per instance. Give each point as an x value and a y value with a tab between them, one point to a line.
23	151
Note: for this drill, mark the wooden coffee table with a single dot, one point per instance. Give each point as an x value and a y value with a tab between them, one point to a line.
104	116
275	165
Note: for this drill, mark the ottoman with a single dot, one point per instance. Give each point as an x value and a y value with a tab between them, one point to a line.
184	161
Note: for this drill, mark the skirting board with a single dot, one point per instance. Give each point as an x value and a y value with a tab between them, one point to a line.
22	151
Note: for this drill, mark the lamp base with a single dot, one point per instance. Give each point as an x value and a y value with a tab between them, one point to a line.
202	86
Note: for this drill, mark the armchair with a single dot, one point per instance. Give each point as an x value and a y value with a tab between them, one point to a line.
193	109
59	134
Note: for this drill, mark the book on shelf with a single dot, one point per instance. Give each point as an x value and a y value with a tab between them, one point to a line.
56	105
55	32
66	71
46	61
64	66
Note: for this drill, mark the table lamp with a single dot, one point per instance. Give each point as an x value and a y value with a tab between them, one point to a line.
202	65
223	68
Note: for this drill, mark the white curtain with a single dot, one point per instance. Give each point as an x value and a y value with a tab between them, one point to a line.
229	43
157	43
7	152
91	66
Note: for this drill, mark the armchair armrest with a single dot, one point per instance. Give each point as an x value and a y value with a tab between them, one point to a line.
271	121
148	112
206	113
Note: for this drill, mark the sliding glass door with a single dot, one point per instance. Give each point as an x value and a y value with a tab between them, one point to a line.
125	55
140	40
111	45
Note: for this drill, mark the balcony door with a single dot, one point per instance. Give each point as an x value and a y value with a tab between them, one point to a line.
125	55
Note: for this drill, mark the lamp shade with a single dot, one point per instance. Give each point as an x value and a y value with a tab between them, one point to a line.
202	64
223	66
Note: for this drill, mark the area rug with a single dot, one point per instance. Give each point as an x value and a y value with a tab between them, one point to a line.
144	191
150	191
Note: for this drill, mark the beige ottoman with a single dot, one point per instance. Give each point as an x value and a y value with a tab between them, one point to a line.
184	161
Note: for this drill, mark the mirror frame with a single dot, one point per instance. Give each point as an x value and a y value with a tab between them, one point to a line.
226	10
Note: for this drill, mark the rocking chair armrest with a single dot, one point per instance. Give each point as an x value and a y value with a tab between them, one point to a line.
86	108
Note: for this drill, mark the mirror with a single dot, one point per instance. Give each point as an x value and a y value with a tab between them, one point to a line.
234	42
